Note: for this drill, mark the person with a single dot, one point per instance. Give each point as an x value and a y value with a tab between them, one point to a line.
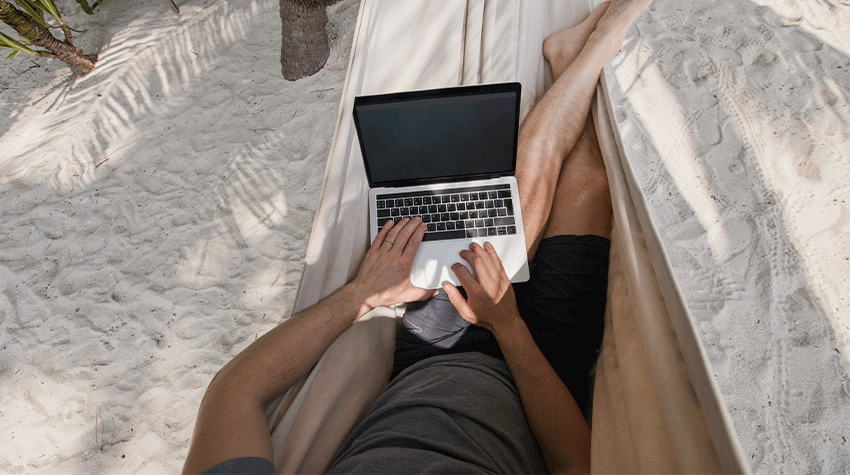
493	376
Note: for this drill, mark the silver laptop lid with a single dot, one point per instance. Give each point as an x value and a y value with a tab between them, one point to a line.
439	135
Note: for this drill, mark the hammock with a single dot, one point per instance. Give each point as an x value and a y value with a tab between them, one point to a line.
655	408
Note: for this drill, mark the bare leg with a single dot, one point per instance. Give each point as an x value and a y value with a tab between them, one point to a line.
582	201
553	128
561	48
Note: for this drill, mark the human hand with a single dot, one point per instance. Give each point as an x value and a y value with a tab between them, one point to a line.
384	275
490	301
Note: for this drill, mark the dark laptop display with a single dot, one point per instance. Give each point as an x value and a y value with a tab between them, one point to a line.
416	138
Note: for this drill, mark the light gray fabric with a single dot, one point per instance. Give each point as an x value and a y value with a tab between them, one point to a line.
457	413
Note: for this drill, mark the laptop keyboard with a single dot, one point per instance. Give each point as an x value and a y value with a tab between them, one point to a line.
479	211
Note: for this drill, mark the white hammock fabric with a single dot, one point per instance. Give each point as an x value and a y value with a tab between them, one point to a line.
656	408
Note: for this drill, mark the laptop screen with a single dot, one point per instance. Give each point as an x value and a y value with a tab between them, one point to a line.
440	135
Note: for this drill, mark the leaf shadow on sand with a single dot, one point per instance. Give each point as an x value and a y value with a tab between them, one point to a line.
144	246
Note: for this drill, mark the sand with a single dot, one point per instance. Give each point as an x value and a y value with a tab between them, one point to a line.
737	129
154	216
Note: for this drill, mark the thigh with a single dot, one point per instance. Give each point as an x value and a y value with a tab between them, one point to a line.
563	305
582	201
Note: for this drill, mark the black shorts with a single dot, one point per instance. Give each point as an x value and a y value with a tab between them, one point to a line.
563	305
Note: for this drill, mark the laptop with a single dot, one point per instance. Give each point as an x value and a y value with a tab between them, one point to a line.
449	157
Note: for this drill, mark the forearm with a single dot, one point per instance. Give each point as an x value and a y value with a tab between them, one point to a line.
231	420
554	416
278	359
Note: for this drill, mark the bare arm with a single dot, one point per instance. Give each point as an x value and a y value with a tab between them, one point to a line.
555	418
553	414
231	421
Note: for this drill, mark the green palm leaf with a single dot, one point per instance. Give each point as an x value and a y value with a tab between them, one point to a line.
15	45
88	8
33	11
49	7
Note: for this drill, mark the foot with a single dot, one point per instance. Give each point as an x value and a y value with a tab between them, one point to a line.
561	48
615	22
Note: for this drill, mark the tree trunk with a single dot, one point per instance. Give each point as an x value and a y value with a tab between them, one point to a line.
304	49
39	36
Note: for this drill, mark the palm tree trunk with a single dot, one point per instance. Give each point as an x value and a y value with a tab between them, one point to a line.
304	49
39	36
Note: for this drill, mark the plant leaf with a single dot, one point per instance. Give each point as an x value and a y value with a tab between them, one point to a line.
15	45
50	7
86	7
34	11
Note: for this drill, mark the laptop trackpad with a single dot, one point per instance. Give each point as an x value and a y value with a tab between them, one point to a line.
432	266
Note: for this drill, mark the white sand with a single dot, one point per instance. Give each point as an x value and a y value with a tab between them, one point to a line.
738	130
154	217
154	221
